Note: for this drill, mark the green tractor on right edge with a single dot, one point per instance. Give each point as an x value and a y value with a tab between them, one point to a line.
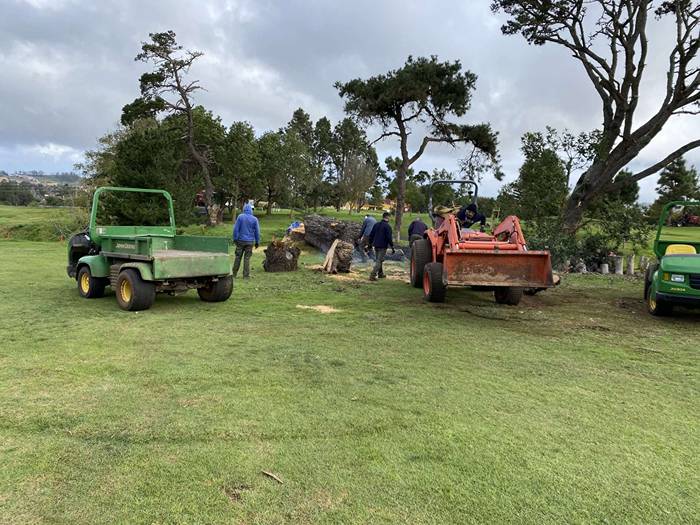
675	279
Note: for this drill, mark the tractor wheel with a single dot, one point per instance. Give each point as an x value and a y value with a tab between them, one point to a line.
133	293
414	238
508	295
655	307
215	292
88	286
421	254
434	288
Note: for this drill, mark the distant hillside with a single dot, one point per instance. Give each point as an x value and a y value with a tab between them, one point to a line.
39	177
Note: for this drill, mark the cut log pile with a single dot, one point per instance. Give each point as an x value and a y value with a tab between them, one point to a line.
320	232
281	256
339	257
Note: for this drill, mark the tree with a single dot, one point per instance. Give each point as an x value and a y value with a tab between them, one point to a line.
541	185
359	176
609	39
347	142
272	168
165	89
241	165
677	182
425	92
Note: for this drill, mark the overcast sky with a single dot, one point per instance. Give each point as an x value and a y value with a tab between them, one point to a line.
66	70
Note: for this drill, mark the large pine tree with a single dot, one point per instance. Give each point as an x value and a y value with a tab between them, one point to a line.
677	182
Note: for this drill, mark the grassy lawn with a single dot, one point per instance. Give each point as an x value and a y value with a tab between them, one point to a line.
575	407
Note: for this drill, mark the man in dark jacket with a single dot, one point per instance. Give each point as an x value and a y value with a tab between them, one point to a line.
417	227
381	239
469	216
246	233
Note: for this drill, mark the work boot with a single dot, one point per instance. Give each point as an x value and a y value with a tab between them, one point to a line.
372	278
382	276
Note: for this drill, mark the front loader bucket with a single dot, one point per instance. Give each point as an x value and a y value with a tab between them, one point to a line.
499	268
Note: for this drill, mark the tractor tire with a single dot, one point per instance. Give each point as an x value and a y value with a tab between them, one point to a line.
414	238
510	295
88	286
133	293
421	254
657	308
434	287
216	292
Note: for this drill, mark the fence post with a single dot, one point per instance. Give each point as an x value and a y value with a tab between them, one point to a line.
630	265
617	262
604	268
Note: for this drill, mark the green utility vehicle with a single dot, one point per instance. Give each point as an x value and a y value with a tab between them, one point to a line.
675	279
139	261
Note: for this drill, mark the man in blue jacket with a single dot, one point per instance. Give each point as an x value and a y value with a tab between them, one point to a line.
381	239
246	234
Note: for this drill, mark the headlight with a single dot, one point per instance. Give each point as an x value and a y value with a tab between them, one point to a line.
677	278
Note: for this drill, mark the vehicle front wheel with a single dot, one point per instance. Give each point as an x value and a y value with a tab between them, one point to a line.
88	286
133	293
217	291
657	307
434	288
508	295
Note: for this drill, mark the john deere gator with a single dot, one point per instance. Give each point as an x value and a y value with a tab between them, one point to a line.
139	260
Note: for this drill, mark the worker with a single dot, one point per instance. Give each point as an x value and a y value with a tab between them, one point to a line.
366	230
417	228
469	216
246	234
380	239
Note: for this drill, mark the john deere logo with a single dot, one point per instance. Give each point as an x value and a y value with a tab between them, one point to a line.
124	246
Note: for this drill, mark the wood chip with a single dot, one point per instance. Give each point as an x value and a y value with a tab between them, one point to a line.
271	475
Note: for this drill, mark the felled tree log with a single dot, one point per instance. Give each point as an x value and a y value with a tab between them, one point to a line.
339	257
281	256
320	232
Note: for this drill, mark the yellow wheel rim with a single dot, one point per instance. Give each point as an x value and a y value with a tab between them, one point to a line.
85	283
125	291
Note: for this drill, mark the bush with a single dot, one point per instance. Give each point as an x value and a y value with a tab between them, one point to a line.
548	234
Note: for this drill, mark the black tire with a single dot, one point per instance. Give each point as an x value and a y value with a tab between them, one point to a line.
414	238
656	307
508	295
421	254
648	275
88	286
133	293
216	292
434	286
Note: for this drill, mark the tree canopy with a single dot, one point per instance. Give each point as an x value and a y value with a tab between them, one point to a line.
423	92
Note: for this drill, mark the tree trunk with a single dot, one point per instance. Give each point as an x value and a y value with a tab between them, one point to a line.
269	202
400	198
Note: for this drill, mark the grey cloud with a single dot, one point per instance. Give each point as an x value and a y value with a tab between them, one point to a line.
67	68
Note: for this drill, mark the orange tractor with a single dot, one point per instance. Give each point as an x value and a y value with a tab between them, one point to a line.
449	255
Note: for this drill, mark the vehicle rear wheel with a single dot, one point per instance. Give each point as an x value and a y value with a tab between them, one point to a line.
217	291
508	295
133	293
434	286
88	286
421	254
656	307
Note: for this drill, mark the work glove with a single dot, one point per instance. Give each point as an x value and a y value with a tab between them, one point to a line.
256	245
393	250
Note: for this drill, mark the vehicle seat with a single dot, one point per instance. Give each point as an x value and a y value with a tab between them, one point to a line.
680	249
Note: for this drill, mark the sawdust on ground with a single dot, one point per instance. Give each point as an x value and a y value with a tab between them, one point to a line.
321	308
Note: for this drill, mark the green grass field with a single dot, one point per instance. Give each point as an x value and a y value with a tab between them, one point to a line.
575	407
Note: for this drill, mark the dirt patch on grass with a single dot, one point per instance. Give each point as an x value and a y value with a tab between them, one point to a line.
235	493
321	308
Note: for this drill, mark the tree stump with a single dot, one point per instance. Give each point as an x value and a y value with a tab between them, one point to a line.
339	257
629	264
617	261
281	256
